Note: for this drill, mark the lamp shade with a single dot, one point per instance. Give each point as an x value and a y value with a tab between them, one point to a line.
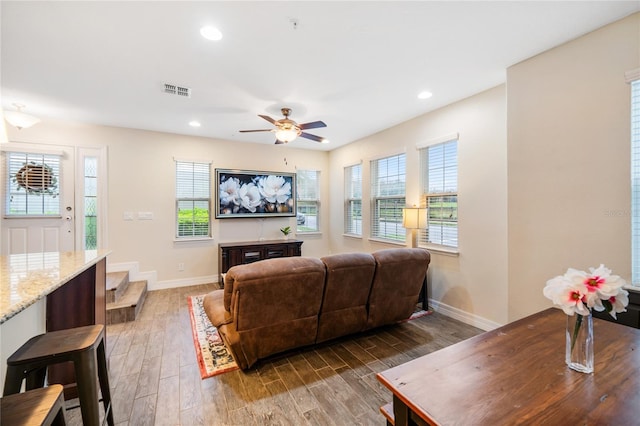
414	218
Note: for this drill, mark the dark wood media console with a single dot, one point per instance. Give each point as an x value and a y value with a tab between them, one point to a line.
239	253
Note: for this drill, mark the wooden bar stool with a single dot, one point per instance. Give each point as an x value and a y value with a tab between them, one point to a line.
84	346
44	406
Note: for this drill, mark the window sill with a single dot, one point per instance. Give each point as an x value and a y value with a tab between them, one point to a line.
311	233
354	236
391	242
192	240
450	251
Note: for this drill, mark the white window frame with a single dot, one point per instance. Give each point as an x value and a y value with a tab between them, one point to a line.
202	198
441	164
307	198
385	191
633	78
353	197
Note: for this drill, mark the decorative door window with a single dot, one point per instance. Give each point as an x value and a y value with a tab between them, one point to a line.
32	185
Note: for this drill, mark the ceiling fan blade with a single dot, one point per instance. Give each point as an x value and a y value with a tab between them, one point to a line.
312	125
269	119
261	130
312	137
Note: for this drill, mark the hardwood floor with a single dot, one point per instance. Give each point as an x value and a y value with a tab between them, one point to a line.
155	378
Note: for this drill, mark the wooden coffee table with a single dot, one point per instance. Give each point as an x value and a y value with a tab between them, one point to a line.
516	374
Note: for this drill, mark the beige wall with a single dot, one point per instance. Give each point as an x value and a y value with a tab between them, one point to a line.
568	161
471	286
141	178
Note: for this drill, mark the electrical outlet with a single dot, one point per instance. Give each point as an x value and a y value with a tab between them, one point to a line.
180	266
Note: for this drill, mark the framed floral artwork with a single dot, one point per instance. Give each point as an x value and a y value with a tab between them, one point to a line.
248	193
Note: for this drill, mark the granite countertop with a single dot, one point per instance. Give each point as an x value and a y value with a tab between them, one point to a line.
26	278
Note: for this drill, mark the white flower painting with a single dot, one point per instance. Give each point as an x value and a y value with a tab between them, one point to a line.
243	194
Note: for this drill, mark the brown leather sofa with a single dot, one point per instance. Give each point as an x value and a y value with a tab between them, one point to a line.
275	305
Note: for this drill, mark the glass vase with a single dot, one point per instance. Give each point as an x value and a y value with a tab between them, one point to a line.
579	343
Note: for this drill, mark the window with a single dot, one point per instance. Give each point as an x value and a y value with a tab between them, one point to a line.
90	203
33	184
353	200
307	182
635	181
193	199
439	186
388	198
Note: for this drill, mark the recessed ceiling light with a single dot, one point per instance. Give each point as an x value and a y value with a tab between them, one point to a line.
325	141
425	95
211	33
194	123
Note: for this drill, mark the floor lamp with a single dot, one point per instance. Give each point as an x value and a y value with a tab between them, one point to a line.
414	218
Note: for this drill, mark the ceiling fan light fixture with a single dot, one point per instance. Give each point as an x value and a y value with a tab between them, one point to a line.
19	119
211	33
286	135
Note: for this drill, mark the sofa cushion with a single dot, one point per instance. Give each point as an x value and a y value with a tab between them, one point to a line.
274	305
396	284
346	292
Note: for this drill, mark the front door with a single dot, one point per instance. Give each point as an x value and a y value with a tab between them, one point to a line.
38	211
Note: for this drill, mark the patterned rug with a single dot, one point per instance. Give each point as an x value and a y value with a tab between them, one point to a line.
213	356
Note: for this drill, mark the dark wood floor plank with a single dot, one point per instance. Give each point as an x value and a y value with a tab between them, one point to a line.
149	377
314	359
343	392
296	387
144	411
190	395
282	398
168	402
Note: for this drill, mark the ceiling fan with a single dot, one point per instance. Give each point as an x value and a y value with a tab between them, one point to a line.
287	130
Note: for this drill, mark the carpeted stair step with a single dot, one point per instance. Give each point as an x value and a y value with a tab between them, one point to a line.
127	306
117	284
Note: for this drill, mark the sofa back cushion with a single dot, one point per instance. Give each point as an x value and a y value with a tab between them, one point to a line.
346	292
396	284
274	291
274	305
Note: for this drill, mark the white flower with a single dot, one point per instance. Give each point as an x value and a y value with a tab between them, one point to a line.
274	189
568	294
249	197
580	292
229	191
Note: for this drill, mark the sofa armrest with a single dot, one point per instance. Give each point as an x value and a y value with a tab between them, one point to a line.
213	304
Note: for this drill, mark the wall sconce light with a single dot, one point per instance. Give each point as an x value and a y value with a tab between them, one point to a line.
414	218
19	119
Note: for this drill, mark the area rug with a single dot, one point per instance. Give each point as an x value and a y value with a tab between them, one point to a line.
213	356
419	313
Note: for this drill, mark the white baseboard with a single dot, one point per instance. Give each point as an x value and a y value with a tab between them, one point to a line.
184	282
465	317
152	277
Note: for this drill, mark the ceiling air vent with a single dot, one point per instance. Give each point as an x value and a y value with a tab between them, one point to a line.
172	89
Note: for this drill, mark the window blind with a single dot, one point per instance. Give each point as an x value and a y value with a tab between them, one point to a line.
635	182
439	186
193	199
33	184
353	200
307	216
388	197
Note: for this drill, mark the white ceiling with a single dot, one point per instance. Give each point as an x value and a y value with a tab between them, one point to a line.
358	66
